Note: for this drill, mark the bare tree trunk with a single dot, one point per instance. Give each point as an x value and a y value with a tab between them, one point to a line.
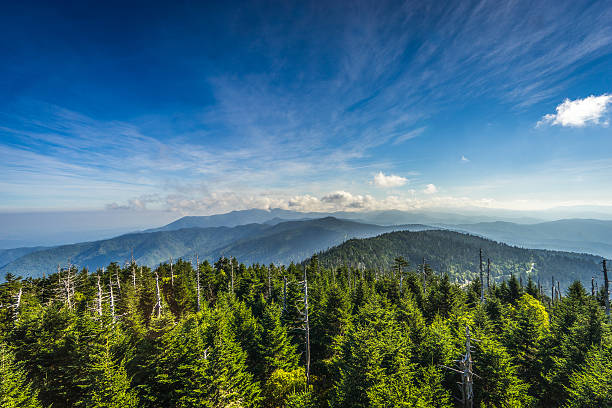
467	377
133	273
171	273
17	304
112	297
269	282
423	273
552	291
606	288
158	305
481	278
99	295
488	274
118	282
284	293
198	282
307	327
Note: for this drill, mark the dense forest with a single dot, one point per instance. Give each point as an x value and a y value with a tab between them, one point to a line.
456	254
230	335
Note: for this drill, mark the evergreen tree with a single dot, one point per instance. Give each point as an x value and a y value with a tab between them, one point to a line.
111	385
15	390
591	386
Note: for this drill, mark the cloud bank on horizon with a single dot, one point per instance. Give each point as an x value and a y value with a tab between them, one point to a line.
308	106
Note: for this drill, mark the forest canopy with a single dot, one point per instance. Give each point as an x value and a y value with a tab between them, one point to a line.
231	335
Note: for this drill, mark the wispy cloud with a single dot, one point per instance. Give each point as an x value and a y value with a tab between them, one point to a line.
580	112
410	135
369	78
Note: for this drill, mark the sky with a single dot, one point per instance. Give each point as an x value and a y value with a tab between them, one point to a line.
206	107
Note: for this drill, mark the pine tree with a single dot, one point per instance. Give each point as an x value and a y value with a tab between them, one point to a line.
591	386
15	390
275	350
111	386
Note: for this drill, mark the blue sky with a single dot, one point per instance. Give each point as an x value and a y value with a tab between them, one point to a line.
200	108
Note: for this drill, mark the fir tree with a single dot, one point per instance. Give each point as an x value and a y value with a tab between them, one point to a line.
15	390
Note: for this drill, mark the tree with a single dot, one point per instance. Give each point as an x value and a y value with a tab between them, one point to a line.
591	386
15	390
525	329
111	385
497	384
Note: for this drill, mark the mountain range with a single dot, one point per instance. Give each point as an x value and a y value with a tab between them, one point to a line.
576	235
283	236
281	243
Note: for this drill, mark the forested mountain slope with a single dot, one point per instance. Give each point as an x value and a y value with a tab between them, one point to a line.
9	255
256	243
458	255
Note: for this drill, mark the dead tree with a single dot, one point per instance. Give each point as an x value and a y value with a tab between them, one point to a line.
467	380
118	282
488	274
67	282
606	288
593	286
198	282
99	309
552	291
232	277
284	293
467	375
306	327
558	291
171	273
158	304
423	274
481	278
112	296
133	273
269	281
17	305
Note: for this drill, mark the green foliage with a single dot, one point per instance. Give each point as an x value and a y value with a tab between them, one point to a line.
111	387
383	337
457	255
15	390
591	386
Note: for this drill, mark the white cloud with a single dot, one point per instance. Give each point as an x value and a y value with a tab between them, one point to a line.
464	159
430	189
382	180
580	112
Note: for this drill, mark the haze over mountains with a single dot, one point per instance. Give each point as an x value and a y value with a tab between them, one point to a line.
282	236
576	235
281	243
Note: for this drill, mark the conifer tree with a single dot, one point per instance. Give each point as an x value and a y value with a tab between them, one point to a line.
591	386
15	390
111	386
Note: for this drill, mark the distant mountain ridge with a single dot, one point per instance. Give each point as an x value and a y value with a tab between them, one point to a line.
251	243
576	235
275	215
